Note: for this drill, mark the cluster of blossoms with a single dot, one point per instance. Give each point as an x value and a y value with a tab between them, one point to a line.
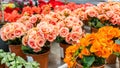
69	26
11	17
101	44
53	25
30	21
44	9
72	6
105	13
10	31
35	39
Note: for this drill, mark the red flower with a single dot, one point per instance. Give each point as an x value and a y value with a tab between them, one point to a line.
41	3
30	3
55	3
8	9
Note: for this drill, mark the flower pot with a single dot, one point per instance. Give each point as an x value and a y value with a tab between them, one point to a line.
2	65
111	59
64	47
94	29
17	50
119	59
42	59
80	66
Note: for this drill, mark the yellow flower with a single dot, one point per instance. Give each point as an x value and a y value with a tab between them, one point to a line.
11	5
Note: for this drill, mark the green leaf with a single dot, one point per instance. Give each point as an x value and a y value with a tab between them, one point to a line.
1	51
12	67
3	60
28	66
19	59
19	66
59	39
88	61
117	54
117	41
99	24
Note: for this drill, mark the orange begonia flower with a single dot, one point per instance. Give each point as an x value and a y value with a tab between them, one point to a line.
85	51
96	46
116	48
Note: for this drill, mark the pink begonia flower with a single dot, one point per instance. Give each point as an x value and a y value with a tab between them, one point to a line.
37	49
40	42
64	31
92	12
28	25
23	19
101	4
31	43
33	19
75	36
110	13
11	31
73	21
69	22
35	39
18	33
103	17
24	40
66	12
80	13
68	38
60	24
3	37
51	37
77	29
115	19
10	35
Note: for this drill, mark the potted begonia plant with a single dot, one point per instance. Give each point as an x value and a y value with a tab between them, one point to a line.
93	49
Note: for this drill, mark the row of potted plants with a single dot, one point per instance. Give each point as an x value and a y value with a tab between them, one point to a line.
12	14
64	25
36	32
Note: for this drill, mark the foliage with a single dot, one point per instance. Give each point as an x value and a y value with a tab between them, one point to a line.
28	50
96	23
16	41
13	61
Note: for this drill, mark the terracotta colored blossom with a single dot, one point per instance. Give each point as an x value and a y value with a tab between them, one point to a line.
28	10
46	9
36	10
11	17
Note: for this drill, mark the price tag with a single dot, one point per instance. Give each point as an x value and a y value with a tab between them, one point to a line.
30	59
